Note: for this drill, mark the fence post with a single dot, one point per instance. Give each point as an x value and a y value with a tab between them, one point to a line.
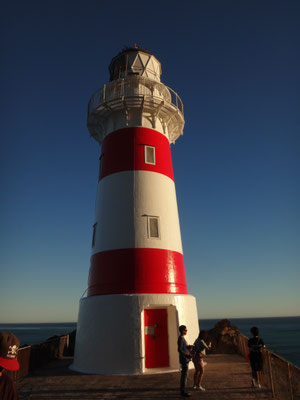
290	381
104	94
244	348
271	375
239	343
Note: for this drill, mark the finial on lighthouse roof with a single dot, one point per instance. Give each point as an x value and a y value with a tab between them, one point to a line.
134	61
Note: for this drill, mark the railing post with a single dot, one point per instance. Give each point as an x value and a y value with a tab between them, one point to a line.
271	375
290	381
122	88
241	345
244	347
103	93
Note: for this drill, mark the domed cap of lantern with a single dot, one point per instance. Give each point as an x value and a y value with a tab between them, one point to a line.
135	61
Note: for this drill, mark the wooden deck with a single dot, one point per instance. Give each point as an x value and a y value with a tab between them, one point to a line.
227	377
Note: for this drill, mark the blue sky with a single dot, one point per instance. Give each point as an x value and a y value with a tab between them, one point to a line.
235	65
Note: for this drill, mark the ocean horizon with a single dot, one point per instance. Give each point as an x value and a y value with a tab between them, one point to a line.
280	334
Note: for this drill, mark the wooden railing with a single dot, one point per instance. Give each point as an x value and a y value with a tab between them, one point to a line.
32	357
278	375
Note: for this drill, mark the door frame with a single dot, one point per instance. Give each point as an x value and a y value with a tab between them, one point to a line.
172	325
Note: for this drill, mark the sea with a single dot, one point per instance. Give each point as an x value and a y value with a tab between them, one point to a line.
281	335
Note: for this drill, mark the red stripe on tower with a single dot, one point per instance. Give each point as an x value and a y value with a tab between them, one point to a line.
124	150
137	271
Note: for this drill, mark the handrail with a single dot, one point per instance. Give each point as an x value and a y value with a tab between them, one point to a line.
135	86
279	375
33	356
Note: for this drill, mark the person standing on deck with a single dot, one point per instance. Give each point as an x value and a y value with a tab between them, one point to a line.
199	351
256	345
9	345
184	359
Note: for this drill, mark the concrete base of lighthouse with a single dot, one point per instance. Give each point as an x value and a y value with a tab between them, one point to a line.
111	332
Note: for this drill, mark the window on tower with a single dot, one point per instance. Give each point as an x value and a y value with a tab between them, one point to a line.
94	234
150	155
153	227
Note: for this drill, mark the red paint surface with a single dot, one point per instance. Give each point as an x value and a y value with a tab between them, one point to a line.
123	150
137	271
156	344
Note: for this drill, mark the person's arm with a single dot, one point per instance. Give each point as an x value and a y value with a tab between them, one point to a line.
262	344
205	345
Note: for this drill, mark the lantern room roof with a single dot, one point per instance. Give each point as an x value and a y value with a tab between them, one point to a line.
134	61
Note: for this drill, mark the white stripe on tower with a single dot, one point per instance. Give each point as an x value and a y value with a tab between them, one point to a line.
124	201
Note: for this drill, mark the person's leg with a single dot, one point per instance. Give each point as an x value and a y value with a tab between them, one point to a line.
183	378
198	370
259	370
196	373
258	380
200	375
254	377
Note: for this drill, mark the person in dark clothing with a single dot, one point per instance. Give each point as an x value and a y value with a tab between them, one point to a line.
256	344
184	359
9	345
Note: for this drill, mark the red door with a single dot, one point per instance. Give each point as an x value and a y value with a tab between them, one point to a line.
156	338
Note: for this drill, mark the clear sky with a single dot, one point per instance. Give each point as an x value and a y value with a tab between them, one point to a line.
235	64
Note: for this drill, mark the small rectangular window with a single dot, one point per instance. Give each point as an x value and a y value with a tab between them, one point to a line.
153	227
94	234
150	155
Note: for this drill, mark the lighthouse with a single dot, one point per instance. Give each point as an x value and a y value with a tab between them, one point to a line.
137	295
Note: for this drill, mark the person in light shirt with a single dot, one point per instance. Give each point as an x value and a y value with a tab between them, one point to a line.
199	351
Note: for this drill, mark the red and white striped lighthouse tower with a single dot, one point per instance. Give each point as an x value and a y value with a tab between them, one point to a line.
137	294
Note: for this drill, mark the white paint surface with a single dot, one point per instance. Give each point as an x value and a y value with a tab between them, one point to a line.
138	62
110	331
125	200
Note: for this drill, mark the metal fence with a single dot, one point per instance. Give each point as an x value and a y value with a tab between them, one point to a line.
32	357
278	375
